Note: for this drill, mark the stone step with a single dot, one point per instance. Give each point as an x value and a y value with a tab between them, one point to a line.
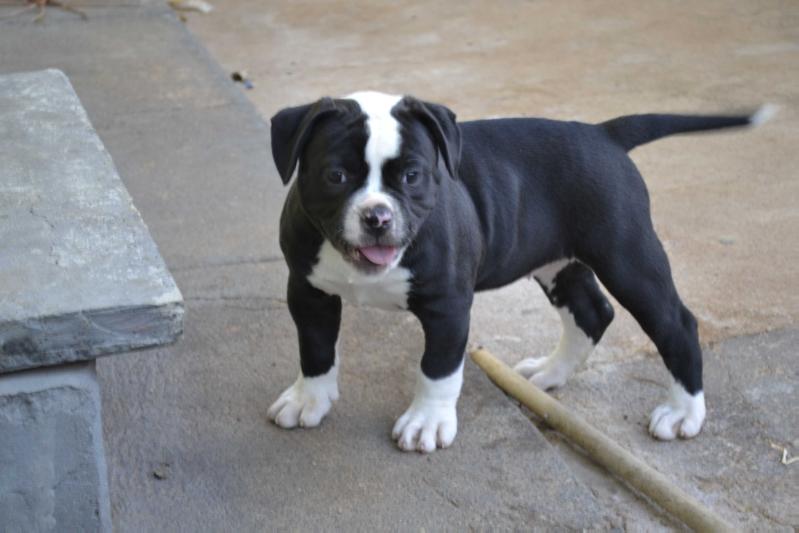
52	462
79	274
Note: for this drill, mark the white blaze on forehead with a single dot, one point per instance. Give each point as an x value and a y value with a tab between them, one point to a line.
383	142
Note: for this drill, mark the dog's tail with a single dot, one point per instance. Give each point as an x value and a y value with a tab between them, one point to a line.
634	130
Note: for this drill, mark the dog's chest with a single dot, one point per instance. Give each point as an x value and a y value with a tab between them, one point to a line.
333	275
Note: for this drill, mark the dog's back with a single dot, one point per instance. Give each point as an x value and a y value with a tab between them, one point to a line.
566	182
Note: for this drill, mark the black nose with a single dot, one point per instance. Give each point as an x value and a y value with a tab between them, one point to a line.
377	217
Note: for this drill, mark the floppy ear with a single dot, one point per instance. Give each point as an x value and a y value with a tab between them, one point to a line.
290	130
441	123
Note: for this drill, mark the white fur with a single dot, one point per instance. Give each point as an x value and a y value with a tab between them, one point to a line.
361	201
307	401
572	351
573	348
764	114
382	144
384	135
387	289
682	415
431	420
547	273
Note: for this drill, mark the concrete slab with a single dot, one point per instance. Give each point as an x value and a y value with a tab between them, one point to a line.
751	394
724	205
197	420
172	83
52	463
218	177
80	275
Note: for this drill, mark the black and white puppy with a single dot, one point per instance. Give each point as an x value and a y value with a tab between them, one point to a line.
398	206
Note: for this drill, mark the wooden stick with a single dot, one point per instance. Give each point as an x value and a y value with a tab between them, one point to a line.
598	446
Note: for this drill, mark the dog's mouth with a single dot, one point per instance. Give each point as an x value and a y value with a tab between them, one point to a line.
371	258
378	255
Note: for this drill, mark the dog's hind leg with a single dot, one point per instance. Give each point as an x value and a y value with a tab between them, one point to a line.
585	312
635	269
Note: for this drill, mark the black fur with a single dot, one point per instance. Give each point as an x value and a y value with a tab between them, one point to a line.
634	130
497	199
576	289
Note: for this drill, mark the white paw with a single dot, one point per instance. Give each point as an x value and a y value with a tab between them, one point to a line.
425	427
431	421
306	402
530	366
682	415
572	351
545	372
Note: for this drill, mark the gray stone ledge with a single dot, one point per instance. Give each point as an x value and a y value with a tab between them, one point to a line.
79	273
85	335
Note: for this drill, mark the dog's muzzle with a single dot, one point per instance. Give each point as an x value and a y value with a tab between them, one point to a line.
373	233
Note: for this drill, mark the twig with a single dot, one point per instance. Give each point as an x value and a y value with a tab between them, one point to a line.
601	448
785	459
39	6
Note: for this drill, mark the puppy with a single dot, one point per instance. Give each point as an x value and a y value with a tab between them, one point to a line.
396	205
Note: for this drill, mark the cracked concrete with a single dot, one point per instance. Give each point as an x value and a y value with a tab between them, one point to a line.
731	466
233	262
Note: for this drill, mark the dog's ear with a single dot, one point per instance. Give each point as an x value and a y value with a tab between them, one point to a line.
441	123
290	130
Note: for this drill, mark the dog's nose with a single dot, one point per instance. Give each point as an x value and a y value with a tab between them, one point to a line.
377	217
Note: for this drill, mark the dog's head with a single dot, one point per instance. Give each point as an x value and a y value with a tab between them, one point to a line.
370	166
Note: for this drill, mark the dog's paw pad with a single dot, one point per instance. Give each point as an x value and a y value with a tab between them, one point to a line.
681	416
305	403
424	427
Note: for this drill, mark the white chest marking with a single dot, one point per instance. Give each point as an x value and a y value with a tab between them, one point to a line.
386	290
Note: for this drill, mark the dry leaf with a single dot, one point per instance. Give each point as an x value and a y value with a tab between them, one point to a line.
199	6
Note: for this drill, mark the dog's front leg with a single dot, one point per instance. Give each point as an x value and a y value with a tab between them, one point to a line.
431	420
317	316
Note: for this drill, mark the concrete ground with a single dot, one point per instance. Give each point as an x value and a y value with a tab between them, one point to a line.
188	442
721	202
725	205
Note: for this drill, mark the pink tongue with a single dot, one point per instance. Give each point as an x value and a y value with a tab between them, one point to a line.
379	255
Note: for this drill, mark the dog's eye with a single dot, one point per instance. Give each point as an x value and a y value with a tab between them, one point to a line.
410	177
336	176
